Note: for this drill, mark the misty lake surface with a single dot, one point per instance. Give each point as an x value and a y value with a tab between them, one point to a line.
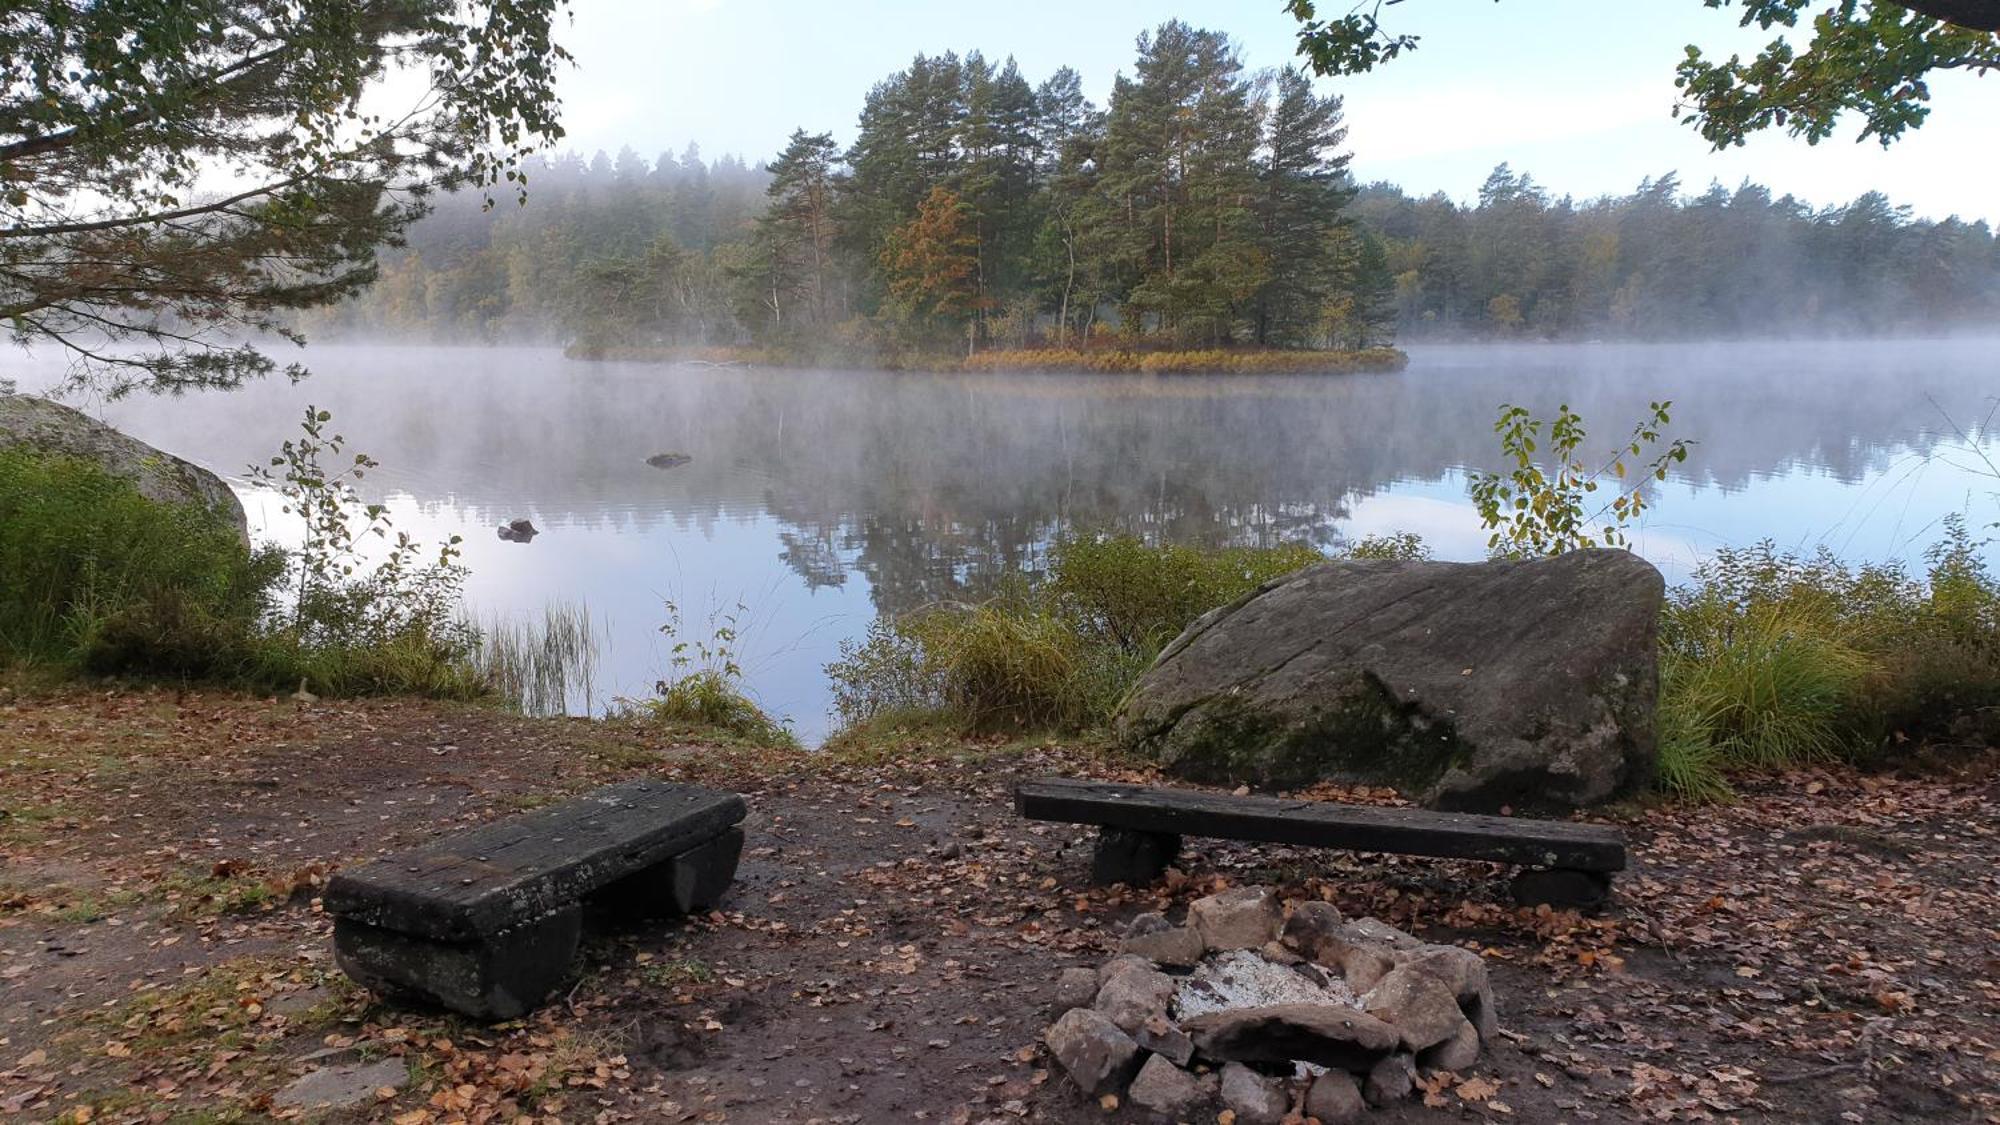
819	499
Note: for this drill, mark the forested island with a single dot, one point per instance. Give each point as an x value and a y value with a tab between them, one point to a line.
1206	208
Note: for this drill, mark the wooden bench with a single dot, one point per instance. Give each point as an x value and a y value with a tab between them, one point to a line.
486	922
1141	829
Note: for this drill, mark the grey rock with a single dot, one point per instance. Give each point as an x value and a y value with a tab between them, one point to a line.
1167	1090
1129	998
1380	933
1390	1080
1335	1099
522	530
668	460
1423	1011
1311	924
1464	972
1179	946
1472	686
1256	1099
1151	922
39	424
1162	1036
1076	988
1092	1050
1124	962
1328	1034
343	1087
1238	918
1456	1053
1363	951
1277	954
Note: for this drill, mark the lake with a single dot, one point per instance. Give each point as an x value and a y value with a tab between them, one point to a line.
816	500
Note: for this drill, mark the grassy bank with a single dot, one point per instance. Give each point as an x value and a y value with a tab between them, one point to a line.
1767	659
1107	360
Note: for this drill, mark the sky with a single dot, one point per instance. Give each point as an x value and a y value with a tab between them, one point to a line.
1578	93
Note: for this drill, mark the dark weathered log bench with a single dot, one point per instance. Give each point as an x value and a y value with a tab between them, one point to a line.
486	922
1141	829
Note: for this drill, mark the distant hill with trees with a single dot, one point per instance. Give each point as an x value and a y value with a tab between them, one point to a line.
1203	207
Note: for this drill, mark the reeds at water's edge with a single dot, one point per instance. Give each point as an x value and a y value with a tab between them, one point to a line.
546	667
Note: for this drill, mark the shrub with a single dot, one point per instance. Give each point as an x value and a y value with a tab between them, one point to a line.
1118	589
1538	509
1058	654
703	686
99	577
1773	658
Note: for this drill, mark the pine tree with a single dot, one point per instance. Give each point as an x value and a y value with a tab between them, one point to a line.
794	239
932	262
1303	188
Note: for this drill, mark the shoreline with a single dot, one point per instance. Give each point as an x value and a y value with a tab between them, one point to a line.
1053	361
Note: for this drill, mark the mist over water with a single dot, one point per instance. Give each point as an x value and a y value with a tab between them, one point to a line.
819	499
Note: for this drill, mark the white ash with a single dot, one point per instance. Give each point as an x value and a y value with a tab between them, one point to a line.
1242	978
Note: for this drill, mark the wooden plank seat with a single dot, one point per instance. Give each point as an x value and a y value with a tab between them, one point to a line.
1141	828
487	921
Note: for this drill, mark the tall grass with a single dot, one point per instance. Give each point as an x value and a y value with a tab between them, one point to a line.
1056	653
95	578
1774	659
546	667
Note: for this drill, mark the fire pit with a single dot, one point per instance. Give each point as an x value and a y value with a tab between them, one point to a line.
1265	1013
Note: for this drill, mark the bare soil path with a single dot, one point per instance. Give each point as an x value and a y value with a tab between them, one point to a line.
1825	949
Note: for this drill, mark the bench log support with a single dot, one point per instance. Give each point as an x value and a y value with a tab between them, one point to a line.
1131	857
686	884
503	977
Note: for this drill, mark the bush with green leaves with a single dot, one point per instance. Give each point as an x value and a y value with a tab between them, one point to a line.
100	578
1058	653
1546	509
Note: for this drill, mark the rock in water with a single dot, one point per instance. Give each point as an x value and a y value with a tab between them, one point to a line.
519	531
1469	686
668	460
50	427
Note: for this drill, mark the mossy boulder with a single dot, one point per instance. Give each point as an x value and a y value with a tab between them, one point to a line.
27	421
1528	685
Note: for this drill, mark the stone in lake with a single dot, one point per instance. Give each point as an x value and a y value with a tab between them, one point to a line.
519	531
1470	686
668	460
30	422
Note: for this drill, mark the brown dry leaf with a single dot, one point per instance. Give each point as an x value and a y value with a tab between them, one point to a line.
1476	1089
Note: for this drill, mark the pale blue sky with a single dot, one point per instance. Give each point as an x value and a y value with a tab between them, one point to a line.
1577	92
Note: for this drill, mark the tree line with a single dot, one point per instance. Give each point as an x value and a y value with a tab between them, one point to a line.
1202	206
1660	263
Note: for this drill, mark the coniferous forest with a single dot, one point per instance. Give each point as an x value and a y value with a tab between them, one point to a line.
1204	206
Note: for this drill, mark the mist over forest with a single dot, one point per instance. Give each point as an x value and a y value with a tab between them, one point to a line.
1205	205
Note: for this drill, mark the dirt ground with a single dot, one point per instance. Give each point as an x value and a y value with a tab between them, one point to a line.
1825	949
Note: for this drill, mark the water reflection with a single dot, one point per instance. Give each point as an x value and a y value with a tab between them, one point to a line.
820	498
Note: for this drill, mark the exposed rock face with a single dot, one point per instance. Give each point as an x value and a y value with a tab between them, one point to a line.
1469	686
1238	918
51	427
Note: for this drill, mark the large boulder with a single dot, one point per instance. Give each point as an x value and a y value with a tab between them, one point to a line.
1468	686
50	427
